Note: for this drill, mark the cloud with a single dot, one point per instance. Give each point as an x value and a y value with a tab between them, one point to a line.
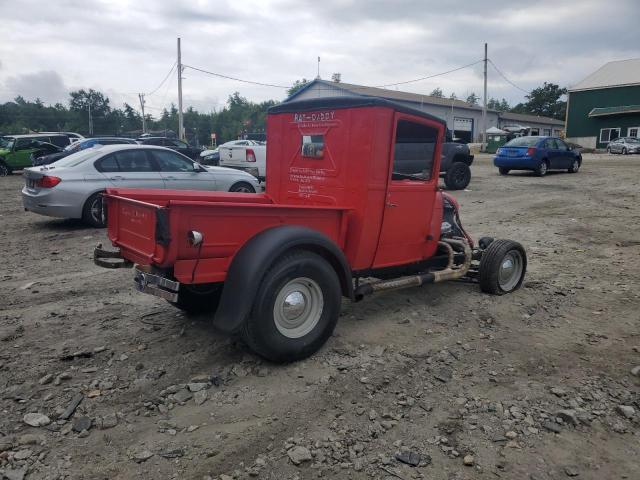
123	47
46	85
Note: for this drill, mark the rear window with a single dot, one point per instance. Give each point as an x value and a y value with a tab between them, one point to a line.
523	142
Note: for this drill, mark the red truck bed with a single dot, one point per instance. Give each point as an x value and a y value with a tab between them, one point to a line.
151	227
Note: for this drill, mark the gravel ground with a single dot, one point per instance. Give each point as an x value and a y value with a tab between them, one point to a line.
439	382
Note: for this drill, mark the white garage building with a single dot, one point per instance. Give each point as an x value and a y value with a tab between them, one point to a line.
464	119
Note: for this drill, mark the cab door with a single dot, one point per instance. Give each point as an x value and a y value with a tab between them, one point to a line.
22	151
405	235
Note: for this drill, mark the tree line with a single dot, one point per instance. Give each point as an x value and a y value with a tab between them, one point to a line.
238	116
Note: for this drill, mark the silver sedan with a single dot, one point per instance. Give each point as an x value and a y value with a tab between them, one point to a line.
72	187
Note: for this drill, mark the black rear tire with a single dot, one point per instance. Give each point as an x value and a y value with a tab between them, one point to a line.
494	267
504	171
5	170
242	187
195	299
458	176
316	284
92	212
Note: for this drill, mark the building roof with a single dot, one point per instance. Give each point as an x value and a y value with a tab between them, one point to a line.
521	117
389	94
622	109
620	73
418	98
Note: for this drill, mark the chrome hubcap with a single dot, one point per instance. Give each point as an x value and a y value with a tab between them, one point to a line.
96	210
576	165
298	307
510	270
543	168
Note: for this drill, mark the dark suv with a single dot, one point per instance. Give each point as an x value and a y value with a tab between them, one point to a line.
174	144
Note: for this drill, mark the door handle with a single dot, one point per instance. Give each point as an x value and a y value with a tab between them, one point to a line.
169	178
391	205
117	177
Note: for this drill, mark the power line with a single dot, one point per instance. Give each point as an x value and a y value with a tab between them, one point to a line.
236	79
164	80
507	80
429	76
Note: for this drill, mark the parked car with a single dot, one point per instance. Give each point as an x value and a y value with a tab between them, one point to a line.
624	145
16	150
174	144
210	157
538	154
73	137
247	155
47	159
72	187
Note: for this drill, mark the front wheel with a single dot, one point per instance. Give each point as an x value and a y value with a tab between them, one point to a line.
624	151
502	267
242	187
296	308
504	171
608	150
458	176
542	168
575	166
4	169
93	213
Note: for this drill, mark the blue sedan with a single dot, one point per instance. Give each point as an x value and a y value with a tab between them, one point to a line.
538	154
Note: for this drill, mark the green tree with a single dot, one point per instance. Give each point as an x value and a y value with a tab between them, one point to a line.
473	99
437	92
499	105
544	101
298	85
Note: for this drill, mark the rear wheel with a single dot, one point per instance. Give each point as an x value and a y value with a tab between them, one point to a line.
202	298
502	267
608	150
296	308
504	171
575	166
4	169
93	213
542	168
624	150
242	187
458	176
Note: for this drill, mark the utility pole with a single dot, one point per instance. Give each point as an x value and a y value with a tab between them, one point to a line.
484	105
90	119
144	120
180	119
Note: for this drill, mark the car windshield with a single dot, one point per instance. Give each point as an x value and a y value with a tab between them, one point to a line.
6	142
633	140
76	158
523	142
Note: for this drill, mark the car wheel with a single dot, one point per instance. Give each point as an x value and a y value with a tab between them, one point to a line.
201	298
4	169
93	213
242	187
504	171
458	176
608	150
502	267
296	308
542	169
624	150
575	166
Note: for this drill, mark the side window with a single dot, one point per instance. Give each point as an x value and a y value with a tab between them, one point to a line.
107	164
413	153
24	143
313	146
133	161
171	162
550	144
561	145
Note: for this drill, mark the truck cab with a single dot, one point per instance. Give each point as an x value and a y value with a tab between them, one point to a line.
352	207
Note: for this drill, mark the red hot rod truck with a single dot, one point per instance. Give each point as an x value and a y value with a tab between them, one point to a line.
352	207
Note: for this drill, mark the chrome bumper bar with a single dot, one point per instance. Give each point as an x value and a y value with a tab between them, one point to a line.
156	285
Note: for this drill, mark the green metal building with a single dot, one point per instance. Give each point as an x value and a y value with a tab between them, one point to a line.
605	105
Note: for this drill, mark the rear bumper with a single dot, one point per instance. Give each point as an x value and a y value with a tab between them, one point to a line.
517	163
46	203
156	285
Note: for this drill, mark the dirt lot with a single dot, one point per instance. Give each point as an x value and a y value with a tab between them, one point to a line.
533	385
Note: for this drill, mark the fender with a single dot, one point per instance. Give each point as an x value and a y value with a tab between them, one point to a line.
252	261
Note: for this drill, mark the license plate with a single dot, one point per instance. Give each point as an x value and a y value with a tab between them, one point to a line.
512	153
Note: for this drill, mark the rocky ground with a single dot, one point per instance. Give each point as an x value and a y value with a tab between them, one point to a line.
441	382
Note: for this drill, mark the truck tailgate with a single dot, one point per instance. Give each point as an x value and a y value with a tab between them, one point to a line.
138	228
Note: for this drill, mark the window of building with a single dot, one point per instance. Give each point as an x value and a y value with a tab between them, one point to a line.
535	131
414	149
547	132
609	134
633	132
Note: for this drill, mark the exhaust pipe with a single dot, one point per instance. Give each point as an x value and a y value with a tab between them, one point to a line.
451	272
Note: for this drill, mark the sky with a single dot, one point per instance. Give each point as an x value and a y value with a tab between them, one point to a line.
51	47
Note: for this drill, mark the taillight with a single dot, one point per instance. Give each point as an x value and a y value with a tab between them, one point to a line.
48	182
531	151
251	156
